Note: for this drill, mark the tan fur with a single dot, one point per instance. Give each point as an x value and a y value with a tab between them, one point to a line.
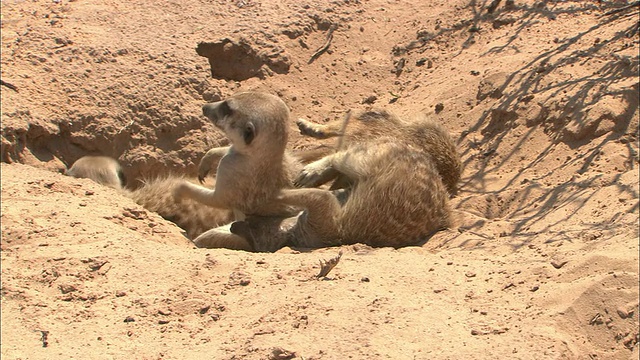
101	169
154	195
419	133
396	194
211	158
379	210
381	207
194	217
253	169
250	172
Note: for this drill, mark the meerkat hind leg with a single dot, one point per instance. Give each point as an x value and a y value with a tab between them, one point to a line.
347	166
319	131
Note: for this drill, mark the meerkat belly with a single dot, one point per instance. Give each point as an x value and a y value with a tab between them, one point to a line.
400	203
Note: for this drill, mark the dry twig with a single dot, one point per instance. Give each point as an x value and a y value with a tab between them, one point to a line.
327	266
343	129
10	86
324	47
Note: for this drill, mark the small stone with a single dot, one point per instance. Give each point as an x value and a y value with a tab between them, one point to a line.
162	321
67	288
558	263
439	108
534	288
370	99
129	319
281	354
509	285
120	293
365	279
470	274
239	278
164	312
626	311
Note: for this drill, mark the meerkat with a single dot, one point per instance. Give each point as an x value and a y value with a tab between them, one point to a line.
252	170
419	133
381	150
256	165
154	195
398	198
101	169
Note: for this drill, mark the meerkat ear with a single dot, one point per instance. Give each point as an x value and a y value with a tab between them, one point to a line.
249	133
225	109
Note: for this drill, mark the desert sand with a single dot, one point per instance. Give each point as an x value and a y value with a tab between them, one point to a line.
541	98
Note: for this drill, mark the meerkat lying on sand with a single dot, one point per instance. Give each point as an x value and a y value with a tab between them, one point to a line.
397	199
154	195
101	169
419	133
396	174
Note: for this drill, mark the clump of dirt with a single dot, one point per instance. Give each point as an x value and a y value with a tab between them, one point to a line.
238	60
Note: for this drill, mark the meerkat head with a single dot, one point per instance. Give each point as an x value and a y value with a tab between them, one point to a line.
251	120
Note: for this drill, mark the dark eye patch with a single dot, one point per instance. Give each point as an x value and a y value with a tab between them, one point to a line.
225	109
249	133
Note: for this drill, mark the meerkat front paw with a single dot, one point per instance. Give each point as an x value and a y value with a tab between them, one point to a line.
210	161
203	171
315	174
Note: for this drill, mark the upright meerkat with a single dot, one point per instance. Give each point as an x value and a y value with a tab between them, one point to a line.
252	170
419	133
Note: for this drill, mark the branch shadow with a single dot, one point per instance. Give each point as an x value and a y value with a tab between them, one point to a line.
564	116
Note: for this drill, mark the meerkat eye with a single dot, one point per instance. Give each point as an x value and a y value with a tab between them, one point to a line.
249	133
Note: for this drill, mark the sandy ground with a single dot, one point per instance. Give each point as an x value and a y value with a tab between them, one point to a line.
541	97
